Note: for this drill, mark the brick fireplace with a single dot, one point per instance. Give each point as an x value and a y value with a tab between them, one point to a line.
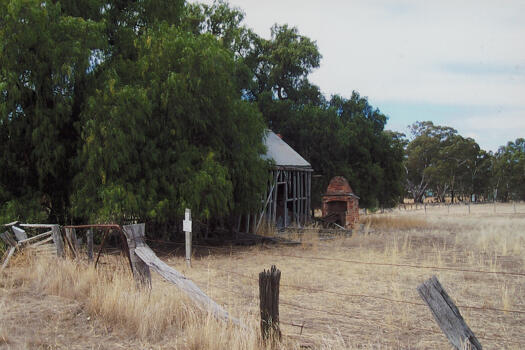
340	204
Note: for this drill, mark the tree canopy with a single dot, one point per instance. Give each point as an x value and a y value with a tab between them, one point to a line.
133	110
112	111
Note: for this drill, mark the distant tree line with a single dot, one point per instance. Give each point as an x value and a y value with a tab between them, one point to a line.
444	164
134	110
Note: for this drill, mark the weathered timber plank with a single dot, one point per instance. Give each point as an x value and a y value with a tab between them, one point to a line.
37	225
12	223
57	239
135	236
69	240
89	240
30	239
185	284
6	261
48	239
8	239
19	233
447	315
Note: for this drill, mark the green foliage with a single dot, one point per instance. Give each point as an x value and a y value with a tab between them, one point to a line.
509	171
44	60
344	137
441	160
173	135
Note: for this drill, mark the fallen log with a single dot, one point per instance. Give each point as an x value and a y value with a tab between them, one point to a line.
186	285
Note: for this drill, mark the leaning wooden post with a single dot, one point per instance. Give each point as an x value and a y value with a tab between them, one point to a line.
71	237
89	240
447	315
269	303
186	227
57	239
135	237
10	242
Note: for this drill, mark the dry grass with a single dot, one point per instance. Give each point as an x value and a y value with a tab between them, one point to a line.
390	222
166	319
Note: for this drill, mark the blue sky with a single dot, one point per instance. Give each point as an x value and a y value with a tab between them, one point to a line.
457	63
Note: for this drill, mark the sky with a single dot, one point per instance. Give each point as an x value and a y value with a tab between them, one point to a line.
457	63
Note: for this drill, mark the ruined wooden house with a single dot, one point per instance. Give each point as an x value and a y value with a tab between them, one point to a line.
287	199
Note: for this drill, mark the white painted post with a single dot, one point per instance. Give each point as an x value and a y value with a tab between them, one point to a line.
186	227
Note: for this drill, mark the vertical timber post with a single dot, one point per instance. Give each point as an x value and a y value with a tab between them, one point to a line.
135	237
71	238
89	240
57	239
286	198
186	227
309	196
300	195
269	303
275	196
294	194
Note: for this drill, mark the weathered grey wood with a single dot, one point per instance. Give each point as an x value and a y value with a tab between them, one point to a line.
37	225
135	237
71	241
74	239
12	223
48	239
8	239
301	202
275	193
264	210
186	285
447	315
30	239
89	239
269	303
286	200
19	233
6	261
308	189
57	239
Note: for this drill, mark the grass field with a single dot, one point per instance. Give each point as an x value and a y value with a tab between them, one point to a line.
340	290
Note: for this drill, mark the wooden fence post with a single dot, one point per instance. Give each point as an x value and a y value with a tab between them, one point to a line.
19	233
447	315
135	237
89	240
269	303
10	242
71	237
186	227
8	239
57	239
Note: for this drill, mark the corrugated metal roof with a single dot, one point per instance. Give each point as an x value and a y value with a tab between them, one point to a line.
282	154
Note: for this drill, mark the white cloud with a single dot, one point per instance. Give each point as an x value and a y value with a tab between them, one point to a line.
412	51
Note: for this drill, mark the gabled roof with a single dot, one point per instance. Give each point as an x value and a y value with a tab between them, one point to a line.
283	155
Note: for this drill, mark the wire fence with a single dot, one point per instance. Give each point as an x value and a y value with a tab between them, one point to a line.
350	297
345	315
